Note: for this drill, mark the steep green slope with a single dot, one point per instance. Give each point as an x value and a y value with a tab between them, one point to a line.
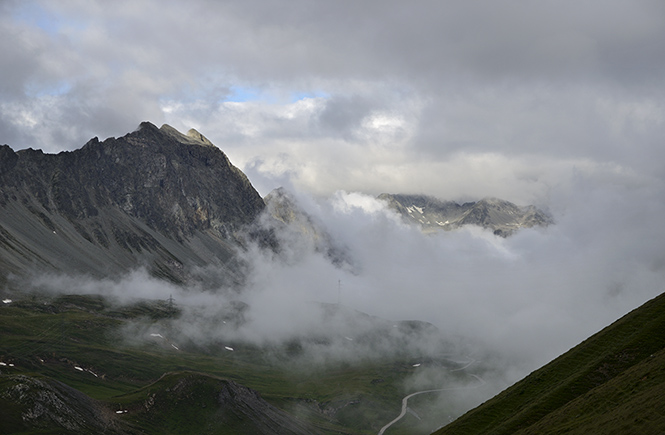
613	382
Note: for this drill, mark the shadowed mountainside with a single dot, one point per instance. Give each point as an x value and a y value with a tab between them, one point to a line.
31	403
154	197
177	403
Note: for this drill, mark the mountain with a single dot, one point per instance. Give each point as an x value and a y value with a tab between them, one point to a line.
612	383
155	197
431	214
296	229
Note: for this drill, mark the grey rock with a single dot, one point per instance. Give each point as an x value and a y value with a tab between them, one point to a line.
154	197
47	404
431	214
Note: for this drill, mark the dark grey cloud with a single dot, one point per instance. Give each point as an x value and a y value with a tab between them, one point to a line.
508	76
342	115
407	94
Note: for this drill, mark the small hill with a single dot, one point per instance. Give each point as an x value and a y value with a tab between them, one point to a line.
432	214
178	403
186	402
612	383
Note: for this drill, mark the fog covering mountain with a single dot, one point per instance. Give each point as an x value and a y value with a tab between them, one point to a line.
164	214
295	229
157	212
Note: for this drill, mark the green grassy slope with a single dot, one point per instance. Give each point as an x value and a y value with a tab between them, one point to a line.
613	382
76	340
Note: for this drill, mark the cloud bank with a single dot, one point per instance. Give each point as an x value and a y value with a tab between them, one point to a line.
526	298
452	100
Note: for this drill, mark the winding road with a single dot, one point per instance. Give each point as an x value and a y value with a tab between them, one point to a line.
405	400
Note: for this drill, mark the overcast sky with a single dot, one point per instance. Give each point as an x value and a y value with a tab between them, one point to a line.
558	104
454	99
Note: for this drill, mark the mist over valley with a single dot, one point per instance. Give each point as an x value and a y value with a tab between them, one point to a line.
331	217
306	285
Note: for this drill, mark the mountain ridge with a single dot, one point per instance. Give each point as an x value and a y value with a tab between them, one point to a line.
431	214
154	197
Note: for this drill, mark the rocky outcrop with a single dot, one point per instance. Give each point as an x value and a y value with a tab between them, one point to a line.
283	214
35	403
154	197
501	217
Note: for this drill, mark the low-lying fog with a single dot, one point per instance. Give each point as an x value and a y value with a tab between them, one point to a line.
520	300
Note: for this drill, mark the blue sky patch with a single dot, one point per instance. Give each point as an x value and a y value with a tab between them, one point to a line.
34	14
243	94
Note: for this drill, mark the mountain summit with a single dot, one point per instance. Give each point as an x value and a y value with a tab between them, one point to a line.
155	197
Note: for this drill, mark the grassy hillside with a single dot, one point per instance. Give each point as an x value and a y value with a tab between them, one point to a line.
612	383
83	343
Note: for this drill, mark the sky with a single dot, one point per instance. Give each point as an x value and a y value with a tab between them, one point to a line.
557	104
454	99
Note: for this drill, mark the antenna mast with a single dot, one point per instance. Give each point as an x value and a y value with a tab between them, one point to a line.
170	301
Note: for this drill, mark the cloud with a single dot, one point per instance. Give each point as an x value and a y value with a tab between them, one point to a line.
533	103
526	298
402	94
506	305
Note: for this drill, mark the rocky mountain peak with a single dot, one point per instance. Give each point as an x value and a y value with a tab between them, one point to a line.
198	136
192	137
124	192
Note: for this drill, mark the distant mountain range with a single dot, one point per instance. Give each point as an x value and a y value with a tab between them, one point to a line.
431	214
173	203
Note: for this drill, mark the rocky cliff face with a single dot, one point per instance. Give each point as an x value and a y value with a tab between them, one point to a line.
431	214
39	404
154	197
